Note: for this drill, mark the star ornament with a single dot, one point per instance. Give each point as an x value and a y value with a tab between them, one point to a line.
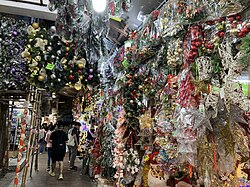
146	121
201	120
200	86
236	115
41	43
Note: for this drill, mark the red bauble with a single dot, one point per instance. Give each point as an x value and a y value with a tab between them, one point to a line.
231	18
198	43
143	110
241	34
71	77
238	17
193	47
245	30
222	34
190	56
179	5
195	54
210	46
79	72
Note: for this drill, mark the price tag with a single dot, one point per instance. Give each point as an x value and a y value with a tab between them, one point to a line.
50	66
125	63
202	109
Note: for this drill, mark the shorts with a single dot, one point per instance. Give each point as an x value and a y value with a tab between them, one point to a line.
58	154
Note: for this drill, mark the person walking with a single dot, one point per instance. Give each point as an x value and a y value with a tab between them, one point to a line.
73	147
41	139
49	144
58	139
71	141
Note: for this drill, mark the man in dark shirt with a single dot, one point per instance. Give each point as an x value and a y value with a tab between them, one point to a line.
73	149
58	139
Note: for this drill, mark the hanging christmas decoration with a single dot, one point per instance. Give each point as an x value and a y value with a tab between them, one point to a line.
13	71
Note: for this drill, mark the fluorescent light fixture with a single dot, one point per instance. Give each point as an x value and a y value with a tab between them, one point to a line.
242	81
26	9
99	5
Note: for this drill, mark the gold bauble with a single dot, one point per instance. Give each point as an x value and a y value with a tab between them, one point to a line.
78	85
80	66
40	78
67	49
38	58
35	25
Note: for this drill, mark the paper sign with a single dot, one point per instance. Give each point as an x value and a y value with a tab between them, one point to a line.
50	66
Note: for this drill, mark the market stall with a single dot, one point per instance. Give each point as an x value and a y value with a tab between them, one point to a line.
169	107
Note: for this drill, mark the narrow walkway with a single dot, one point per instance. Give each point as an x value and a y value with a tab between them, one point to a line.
41	178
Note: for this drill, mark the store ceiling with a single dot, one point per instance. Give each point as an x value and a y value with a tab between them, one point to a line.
119	31
146	7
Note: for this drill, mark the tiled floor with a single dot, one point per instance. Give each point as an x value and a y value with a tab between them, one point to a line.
41	178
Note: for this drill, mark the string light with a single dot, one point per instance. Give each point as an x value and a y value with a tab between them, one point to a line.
99	5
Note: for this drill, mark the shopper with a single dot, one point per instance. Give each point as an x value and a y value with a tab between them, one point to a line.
71	141
41	139
58	139
49	144
73	148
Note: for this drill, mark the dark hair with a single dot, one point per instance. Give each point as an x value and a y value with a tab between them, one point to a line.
76	123
52	127
59	124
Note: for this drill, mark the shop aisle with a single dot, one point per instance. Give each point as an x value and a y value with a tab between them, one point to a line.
41	178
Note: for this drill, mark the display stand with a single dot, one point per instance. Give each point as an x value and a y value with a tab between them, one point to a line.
8	98
4	140
34	127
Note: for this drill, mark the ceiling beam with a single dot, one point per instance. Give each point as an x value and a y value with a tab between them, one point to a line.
26	9
119	30
125	30
114	40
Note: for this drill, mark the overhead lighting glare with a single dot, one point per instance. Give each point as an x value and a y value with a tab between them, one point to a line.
99	5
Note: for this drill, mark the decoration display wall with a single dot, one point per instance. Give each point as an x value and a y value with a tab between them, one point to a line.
185	114
13	70
54	63
171	108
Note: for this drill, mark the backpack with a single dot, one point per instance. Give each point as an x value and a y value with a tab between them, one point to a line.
71	141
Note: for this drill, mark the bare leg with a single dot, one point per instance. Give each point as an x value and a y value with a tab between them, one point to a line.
53	167
52	171
61	170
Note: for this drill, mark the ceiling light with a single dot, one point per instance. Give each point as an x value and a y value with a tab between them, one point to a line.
99	5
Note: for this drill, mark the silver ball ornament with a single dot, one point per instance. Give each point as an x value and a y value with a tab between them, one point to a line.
59	52
53	76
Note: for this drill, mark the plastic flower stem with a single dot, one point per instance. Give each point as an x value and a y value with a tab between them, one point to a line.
215	157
